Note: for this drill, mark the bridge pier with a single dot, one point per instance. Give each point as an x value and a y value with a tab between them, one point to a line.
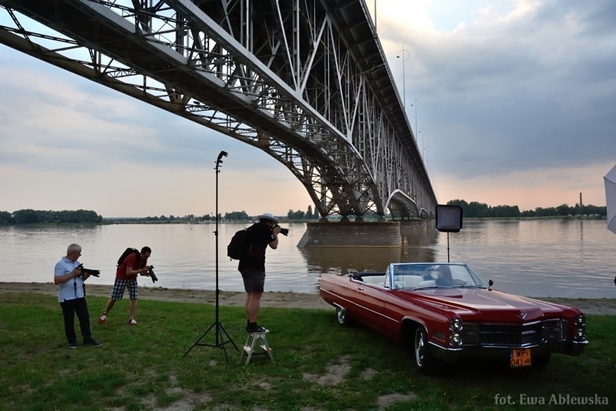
351	234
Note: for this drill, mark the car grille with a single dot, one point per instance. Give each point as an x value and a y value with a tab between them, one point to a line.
514	335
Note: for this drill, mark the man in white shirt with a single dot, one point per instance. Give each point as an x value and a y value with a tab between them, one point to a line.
72	296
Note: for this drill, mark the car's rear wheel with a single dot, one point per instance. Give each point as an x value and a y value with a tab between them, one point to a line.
423	358
342	317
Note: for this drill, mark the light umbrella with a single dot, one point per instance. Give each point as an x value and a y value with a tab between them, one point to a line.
610	198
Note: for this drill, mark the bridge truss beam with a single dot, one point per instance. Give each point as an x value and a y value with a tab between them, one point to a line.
295	79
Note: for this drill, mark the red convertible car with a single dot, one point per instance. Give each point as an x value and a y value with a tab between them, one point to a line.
445	312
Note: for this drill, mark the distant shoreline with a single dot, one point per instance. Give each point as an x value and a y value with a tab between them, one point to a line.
601	306
145	221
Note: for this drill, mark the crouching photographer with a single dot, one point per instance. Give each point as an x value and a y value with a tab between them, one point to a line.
131	264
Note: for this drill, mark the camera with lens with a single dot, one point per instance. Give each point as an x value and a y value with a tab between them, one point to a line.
95	273
151	273
283	231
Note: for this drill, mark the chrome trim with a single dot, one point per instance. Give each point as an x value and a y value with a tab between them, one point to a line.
511	324
511	335
499	347
448	349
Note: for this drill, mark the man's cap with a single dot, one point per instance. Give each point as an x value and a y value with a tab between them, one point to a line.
268	216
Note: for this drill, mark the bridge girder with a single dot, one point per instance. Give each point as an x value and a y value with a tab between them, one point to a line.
404	207
295	79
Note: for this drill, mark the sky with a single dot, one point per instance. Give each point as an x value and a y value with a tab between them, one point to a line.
514	101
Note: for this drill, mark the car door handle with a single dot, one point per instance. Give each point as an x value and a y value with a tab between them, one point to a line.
360	288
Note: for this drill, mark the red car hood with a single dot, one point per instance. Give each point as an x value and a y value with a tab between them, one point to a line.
486	305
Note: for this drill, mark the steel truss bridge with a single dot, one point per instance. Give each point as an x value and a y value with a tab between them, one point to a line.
306	81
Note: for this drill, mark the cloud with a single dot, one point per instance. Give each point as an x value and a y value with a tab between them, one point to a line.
119	156
514	89
516	107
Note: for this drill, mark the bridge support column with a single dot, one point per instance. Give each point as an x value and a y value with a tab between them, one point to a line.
352	234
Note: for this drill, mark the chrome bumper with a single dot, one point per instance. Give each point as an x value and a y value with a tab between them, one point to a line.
451	355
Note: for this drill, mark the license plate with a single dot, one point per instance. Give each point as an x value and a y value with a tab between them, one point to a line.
519	357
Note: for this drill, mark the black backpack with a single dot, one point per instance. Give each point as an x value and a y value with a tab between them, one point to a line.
125	254
239	246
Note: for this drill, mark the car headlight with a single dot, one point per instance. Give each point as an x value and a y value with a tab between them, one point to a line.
579	326
456	325
455	339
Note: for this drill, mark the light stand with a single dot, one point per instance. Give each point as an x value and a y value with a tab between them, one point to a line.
448	246
449	220
220	338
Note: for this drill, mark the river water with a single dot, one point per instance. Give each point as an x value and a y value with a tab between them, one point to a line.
540	258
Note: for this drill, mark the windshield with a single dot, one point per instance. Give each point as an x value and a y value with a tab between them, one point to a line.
417	276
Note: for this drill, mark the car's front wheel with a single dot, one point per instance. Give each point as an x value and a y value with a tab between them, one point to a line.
423	358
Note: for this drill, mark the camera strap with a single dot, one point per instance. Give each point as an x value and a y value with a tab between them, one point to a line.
75	288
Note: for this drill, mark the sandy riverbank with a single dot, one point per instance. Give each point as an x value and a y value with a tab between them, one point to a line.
226	298
270	299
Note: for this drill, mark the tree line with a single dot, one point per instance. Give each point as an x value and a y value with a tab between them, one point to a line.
29	216
229	216
291	215
476	209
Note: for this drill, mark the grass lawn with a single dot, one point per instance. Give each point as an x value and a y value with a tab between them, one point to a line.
318	365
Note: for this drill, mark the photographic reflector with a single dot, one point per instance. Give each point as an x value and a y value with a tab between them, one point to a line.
448	218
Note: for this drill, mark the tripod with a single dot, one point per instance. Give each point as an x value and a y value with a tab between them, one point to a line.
221	333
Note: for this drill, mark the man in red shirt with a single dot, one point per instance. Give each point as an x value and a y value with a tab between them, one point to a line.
126	276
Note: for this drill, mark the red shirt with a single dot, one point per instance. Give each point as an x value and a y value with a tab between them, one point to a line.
130	261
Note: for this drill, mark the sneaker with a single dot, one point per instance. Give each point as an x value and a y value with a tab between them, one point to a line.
132	322
256	329
72	345
102	319
92	342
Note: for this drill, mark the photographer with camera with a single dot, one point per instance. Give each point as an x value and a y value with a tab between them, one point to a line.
126	276
252	266
70	275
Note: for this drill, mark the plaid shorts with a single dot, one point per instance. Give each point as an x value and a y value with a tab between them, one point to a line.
119	286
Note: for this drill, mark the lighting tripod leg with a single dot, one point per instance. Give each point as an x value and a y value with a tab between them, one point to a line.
200	338
220	340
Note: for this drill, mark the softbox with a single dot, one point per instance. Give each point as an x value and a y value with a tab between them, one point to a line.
448	218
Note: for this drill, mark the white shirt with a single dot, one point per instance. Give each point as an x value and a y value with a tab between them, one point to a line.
73	288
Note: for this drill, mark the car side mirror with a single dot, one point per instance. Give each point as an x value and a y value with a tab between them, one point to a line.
490	284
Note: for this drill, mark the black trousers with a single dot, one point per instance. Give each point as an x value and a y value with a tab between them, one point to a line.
77	306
